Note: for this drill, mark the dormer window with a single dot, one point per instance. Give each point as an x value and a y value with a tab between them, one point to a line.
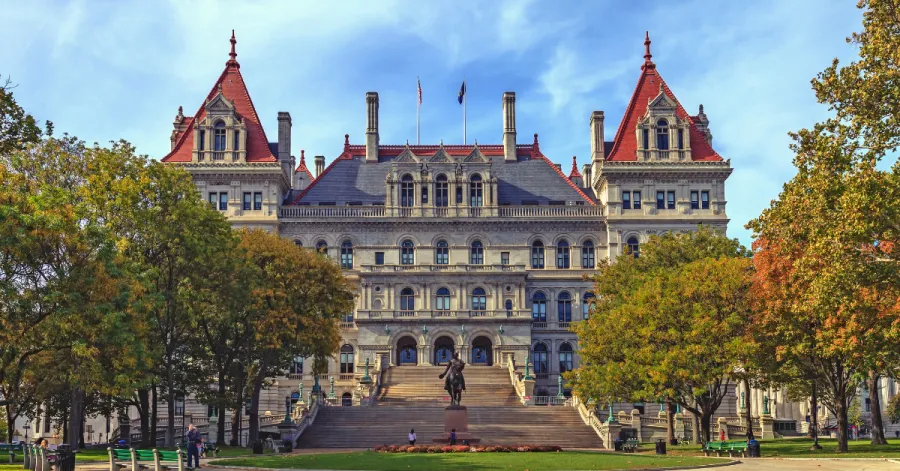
662	135
476	192
407	191
219	141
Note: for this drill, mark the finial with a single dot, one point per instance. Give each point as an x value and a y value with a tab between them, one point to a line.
442	143
302	157
407	143
346	142
181	109
233	61
535	139
647	56
701	108
476	142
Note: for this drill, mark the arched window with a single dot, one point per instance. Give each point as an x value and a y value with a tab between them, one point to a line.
537	254
662	135
479	299
407	300
442	299
407	191
586	304
347	359
539	307
219	137
298	242
587	254
476	253
562	254
539	358
322	247
509	309
565	357
564	307
441	253
476	191
634	247
407	252
347	254
441	191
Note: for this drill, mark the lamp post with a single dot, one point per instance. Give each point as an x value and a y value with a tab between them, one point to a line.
331	394
559	389
527	371
367	378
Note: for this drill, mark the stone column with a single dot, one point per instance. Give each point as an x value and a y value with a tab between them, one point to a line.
636	423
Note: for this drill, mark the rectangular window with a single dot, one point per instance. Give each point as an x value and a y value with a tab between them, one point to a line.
704	200
257	201
681	139
424	195
237	140
202	140
636	199
660	200
223	201
695	199
379	258
246	202
671	200
504	258
868	405
626	200
458	195
213	198
646	135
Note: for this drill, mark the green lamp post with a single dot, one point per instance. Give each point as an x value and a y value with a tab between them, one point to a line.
366	378
610	418
559	392
331	393
527	370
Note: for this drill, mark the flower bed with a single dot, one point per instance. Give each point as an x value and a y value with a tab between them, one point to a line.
463	448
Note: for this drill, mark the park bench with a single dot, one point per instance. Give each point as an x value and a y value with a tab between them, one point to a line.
11	448
630	445
737	447
714	447
145	460
169	460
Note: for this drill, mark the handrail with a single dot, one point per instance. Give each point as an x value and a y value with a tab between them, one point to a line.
549	211
588	417
468	267
441	314
530	211
515	379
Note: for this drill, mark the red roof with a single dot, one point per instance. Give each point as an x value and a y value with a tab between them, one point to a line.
234	89
302	167
625	144
575	173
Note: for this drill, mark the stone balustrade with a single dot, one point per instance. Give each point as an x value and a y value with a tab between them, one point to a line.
529	212
461	268
549	211
448	314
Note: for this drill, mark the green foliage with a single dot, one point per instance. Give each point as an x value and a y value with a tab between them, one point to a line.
17	128
893	409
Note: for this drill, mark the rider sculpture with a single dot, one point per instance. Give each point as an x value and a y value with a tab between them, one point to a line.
454	383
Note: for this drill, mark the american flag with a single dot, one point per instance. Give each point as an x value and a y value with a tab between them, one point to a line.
419	83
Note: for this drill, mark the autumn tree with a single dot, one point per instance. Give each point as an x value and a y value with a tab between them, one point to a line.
17	128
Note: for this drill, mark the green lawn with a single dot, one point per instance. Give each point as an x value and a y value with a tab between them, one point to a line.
799	448
367	460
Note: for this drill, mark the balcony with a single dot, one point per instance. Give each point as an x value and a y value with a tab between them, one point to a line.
443	268
550	325
332	211
549	211
348	326
525	212
442	314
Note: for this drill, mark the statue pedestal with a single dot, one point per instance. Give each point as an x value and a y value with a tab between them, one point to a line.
456	417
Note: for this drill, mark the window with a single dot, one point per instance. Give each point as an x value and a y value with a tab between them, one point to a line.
223	201
565	357
347	359
202	139
347	254
681	138
539	307
587	254
179	404
458	195
441	192
219	136
646	136
586	305
322	247
298	242
442	253
347	317
634	247
379	258
407	253
636	199
562	254
660	200
246	202
257	201
537	254
704	200
479	299
539	358
626	200
671	200
424	194
662	135
504	258
237	140
868	405
476	190
213	197
407	300
695	199
442	299
508	306
564	307
476	253
407	191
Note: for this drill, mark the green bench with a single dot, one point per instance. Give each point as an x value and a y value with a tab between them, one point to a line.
145	460
11	449
630	445
731	448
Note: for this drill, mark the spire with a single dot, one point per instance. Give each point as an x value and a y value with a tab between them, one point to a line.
648	63
346	142
535	147
302	157
574	173
233	61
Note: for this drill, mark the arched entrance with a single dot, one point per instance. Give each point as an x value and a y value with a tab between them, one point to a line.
347	400
406	351
482	353
443	350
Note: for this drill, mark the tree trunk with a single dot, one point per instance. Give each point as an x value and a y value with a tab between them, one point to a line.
170	405
705	425
154	414
220	408
236	427
143	408
670	421
10	421
253	422
841	413
695	428
877	421
747	403
81	435
814	418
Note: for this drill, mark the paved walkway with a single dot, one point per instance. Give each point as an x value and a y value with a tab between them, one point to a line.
810	465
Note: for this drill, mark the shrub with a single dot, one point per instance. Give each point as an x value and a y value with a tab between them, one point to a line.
464	448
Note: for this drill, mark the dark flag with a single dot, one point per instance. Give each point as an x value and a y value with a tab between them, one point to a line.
462	92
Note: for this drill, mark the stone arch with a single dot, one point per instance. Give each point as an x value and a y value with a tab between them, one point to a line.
406	350
564	236
443	348
433	335
482	349
439	237
477	236
415	240
406	331
537	237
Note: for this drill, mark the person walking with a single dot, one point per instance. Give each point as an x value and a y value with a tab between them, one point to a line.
412	436
193	443
453	436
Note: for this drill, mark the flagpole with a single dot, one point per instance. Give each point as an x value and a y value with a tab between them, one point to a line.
464	111
418	105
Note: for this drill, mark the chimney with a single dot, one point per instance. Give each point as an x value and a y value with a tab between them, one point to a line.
320	165
284	144
586	173
371	127
509	126
597	136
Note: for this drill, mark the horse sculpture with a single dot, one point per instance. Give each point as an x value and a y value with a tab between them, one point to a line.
454	383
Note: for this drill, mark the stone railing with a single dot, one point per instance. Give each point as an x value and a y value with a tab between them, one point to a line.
524	386
548	211
429	314
303	418
332	212
591	420
550	401
463	268
452	211
550	325
348	325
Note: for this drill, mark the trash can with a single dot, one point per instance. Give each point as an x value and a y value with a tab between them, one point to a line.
257	447
753	449
287	446
660	446
618	444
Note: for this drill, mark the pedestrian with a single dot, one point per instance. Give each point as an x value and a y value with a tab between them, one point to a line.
412	436
203	447
193	445
453	436
722	435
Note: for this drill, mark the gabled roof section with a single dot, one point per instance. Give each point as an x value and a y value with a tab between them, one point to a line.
302	167
575	173
625	144
232	87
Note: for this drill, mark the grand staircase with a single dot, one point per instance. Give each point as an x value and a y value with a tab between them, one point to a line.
412	397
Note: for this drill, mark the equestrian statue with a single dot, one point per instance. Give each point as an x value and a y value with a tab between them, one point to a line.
454	383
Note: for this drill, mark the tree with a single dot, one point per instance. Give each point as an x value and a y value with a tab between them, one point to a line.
669	324
17	128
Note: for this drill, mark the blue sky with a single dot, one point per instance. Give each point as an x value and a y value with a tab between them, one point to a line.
105	70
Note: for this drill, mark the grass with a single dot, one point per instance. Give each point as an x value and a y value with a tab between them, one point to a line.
799	448
367	460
